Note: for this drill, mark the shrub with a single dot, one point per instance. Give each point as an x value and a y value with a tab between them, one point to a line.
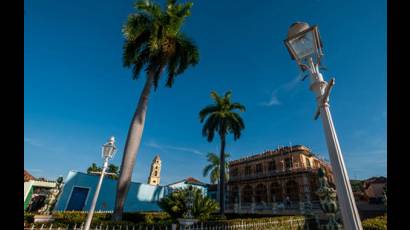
145	217
75	217
174	204
28	217
377	223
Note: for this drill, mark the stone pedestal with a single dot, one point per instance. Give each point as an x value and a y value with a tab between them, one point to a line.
185	222
43	218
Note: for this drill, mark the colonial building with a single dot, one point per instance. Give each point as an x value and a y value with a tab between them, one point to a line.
190	181
154	175
285	176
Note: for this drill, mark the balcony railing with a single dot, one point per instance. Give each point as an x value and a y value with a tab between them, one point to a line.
270	173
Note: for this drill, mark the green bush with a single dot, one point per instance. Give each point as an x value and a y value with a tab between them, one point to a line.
281	222
174	204
75	217
28	217
377	223
146	217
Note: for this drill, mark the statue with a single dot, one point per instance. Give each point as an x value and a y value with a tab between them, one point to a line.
52	198
328	202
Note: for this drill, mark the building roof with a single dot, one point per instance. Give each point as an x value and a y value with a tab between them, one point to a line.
374	180
279	151
28	176
189	180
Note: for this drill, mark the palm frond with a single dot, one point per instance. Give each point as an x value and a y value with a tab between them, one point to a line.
207	169
206	111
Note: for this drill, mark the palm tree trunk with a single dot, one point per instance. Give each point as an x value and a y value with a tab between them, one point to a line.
131	149
222	177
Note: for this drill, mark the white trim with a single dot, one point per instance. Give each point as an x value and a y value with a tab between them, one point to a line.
71	192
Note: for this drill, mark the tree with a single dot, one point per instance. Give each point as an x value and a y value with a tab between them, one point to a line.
153	42
222	119
174	204
213	168
112	169
93	168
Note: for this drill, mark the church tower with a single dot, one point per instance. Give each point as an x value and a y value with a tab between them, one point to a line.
154	175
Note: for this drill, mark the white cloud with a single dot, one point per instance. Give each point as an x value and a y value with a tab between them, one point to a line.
274	99
153	144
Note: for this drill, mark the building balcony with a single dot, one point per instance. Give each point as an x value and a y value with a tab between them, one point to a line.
273	173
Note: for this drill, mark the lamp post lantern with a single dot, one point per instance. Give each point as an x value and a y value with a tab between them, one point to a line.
305	47
108	151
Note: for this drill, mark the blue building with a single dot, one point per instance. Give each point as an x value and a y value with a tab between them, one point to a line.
79	188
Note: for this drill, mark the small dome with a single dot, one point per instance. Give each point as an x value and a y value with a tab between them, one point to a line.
296	28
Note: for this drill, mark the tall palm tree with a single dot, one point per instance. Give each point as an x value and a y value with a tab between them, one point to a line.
213	167
222	119
153	42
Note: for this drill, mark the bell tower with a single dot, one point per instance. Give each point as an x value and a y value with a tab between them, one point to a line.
154	175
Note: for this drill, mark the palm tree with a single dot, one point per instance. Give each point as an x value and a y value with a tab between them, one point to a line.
153	42
213	168
93	168
222	119
175	204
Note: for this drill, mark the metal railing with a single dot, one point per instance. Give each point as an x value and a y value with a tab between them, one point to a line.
270	173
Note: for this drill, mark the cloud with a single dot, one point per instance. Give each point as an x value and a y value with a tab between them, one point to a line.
274	99
171	147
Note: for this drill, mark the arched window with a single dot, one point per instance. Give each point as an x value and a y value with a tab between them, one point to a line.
292	190
155	173
276	192
247	194
261	193
234	194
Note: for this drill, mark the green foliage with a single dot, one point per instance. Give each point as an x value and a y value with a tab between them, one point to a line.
153	39
75	217
357	185
174	204
213	167
221	117
278	222
28	217
71	218
111	169
377	223
146	217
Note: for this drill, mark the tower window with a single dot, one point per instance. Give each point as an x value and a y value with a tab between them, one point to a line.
155	173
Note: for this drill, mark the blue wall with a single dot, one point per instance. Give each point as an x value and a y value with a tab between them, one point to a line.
141	197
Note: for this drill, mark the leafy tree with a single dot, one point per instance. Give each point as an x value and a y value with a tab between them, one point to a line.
153	43
213	167
112	169
174	204
222	119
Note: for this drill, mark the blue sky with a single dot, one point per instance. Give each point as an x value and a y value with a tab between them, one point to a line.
77	94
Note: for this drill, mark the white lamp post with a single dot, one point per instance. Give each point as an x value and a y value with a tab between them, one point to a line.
108	151
305	46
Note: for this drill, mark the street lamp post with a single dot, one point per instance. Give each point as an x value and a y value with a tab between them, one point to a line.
108	151
305	46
